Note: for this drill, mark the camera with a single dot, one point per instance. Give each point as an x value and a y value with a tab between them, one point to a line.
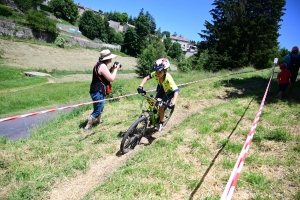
116	63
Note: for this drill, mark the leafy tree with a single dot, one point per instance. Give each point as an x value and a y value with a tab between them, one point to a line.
167	33
149	55
131	20
24	5
117	17
65	9
39	22
115	37
152	24
92	26
175	51
282	52
145	61
168	43
142	31
237	37
130	44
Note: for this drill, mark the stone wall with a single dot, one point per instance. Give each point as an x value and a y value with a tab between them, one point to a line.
9	28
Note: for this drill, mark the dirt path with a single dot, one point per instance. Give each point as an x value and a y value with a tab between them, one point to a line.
78	187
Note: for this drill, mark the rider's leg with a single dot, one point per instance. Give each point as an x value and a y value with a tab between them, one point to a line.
161	113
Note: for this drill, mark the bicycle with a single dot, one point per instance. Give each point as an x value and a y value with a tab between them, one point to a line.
148	118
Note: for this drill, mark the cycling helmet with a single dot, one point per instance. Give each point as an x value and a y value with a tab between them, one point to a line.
295	49
161	64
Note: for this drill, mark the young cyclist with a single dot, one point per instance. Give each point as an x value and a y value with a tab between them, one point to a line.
166	88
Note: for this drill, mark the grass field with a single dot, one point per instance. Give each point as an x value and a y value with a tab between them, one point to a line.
192	158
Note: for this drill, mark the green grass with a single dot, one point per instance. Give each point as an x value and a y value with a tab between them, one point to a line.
195	157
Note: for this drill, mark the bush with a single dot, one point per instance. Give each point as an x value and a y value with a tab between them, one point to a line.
4	11
145	61
60	41
39	22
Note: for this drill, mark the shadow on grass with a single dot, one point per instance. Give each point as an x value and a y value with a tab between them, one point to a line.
256	86
220	151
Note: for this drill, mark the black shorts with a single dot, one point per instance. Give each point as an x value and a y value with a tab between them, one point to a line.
161	94
283	87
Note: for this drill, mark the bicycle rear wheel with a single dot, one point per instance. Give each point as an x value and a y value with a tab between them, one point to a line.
168	114
133	135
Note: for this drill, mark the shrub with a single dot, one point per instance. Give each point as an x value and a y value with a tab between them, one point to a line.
60	41
39	22
4	11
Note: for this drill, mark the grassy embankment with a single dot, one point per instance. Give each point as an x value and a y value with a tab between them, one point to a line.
193	158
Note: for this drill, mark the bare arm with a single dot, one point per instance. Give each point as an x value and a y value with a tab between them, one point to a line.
174	99
110	76
145	80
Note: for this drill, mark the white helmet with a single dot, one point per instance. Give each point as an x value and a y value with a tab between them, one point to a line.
161	64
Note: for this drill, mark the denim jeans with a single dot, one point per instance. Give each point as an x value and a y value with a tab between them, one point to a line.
98	107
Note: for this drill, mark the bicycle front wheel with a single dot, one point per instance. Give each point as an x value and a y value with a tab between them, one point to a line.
133	135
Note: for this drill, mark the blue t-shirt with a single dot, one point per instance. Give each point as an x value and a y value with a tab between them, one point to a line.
287	59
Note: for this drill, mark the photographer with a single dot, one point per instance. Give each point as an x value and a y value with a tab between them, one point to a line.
100	86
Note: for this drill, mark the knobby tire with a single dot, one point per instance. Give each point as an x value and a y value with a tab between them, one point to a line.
133	135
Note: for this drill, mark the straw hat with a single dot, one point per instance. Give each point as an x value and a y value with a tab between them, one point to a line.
106	54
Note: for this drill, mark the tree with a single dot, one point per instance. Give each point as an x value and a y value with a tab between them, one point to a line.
175	51
92	26
117	17
167	43
130	44
131	20
24	5
115	37
145	61
142	31
65	9
152	24
167	33
237	36
149	55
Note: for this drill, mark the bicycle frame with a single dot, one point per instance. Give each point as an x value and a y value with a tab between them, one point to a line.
153	109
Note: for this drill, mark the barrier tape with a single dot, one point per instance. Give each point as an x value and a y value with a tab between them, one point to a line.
231	184
83	104
62	108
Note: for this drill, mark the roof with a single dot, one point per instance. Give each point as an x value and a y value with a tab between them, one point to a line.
179	39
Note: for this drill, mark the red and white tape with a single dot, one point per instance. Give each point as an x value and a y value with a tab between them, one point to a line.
231	184
61	108
82	104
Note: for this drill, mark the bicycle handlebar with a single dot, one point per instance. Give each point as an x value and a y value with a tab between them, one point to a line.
152	101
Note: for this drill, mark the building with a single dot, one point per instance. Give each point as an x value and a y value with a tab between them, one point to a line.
126	26
81	10
182	41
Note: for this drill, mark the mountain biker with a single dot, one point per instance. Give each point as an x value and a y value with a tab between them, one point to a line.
293	63
166	88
